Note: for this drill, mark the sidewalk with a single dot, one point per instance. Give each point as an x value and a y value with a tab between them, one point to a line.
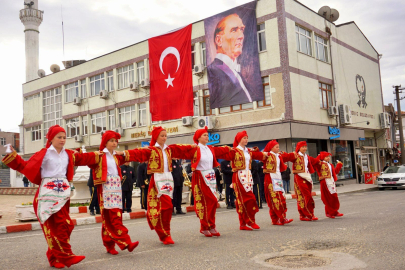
9	224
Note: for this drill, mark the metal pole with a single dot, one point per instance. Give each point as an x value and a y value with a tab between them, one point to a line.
401	131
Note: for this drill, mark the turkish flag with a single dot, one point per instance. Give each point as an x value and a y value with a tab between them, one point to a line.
171	83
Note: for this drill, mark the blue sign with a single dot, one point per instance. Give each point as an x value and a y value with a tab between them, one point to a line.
143	144
213	138
362	139
395	160
334	131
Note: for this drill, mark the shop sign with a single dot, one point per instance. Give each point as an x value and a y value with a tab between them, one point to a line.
334	131
395	160
143	144
213	138
143	134
362	139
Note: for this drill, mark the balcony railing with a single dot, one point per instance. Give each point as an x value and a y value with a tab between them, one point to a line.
30	12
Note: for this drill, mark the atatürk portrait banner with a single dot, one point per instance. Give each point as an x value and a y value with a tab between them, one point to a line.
233	57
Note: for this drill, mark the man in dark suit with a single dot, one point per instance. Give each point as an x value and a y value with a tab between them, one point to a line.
127	185
261	183
93	195
178	179
220	182
256	182
227	87
286	180
227	176
190	175
142	181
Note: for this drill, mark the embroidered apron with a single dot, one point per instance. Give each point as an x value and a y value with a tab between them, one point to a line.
245	178
164	184
210	180
306	176
277	182
53	194
330	183
112	192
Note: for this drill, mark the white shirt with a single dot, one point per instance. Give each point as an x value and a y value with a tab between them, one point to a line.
54	165
165	165
305	159
235	67
206	160
111	165
247	155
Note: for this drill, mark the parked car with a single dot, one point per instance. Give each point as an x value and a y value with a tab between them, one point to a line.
393	177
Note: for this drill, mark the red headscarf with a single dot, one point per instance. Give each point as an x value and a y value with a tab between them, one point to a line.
199	133
239	137
299	145
270	145
323	155
155	134
109	134
53	130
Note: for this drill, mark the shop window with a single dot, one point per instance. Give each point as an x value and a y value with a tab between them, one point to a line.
341	150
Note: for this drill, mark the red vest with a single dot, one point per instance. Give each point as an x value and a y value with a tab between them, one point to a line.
156	160
270	164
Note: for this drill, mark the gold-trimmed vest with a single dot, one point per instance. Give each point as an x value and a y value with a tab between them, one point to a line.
156	160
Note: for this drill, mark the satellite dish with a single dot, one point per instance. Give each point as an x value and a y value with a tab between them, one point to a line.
55	68
41	73
334	15
325	12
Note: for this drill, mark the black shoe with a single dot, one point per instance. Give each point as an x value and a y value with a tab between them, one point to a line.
229	207
260	207
129	211
98	213
92	213
180	212
174	213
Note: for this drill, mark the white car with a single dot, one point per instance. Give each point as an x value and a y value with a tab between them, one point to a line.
393	177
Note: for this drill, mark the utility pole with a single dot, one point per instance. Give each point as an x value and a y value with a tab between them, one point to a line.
397	91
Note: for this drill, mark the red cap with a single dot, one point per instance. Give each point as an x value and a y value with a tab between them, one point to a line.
109	134
299	145
324	154
239	137
270	145
199	133
155	134
52	131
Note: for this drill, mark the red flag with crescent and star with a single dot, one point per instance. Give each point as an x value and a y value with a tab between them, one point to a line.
171	82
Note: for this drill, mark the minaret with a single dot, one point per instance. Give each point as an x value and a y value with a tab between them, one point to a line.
31	17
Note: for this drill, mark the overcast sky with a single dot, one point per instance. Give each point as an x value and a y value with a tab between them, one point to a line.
93	28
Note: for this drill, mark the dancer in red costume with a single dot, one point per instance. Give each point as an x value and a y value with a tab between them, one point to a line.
273	184
107	177
52	168
302	169
241	159
327	177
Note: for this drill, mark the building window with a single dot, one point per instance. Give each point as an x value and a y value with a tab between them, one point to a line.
35	133
321	48
3	141
97	84
52	107
266	90
125	76
196	104
140	71
83	88
303	37
127	117
111	119
71	91
110	81
203	54
142	114
84	125
192	56
72	127
206	101
325	95
261	37
98	123
236	108
31	97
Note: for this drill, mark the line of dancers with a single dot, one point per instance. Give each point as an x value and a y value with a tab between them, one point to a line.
52	168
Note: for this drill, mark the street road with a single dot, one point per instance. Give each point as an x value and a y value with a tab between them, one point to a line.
369	236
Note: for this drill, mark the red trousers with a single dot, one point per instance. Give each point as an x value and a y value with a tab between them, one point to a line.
246	204
112	230
275	200
331	201
205	202
159	212
57	229
305	202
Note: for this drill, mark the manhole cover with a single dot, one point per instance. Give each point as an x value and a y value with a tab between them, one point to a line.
299	261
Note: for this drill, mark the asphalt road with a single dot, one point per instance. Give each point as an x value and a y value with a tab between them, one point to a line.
369	236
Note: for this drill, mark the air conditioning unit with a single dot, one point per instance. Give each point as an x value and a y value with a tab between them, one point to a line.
187	121
333	111
384	120
145	83
103	94
78	138
206	121
119	130
345	114
77	101
134	87
198	70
